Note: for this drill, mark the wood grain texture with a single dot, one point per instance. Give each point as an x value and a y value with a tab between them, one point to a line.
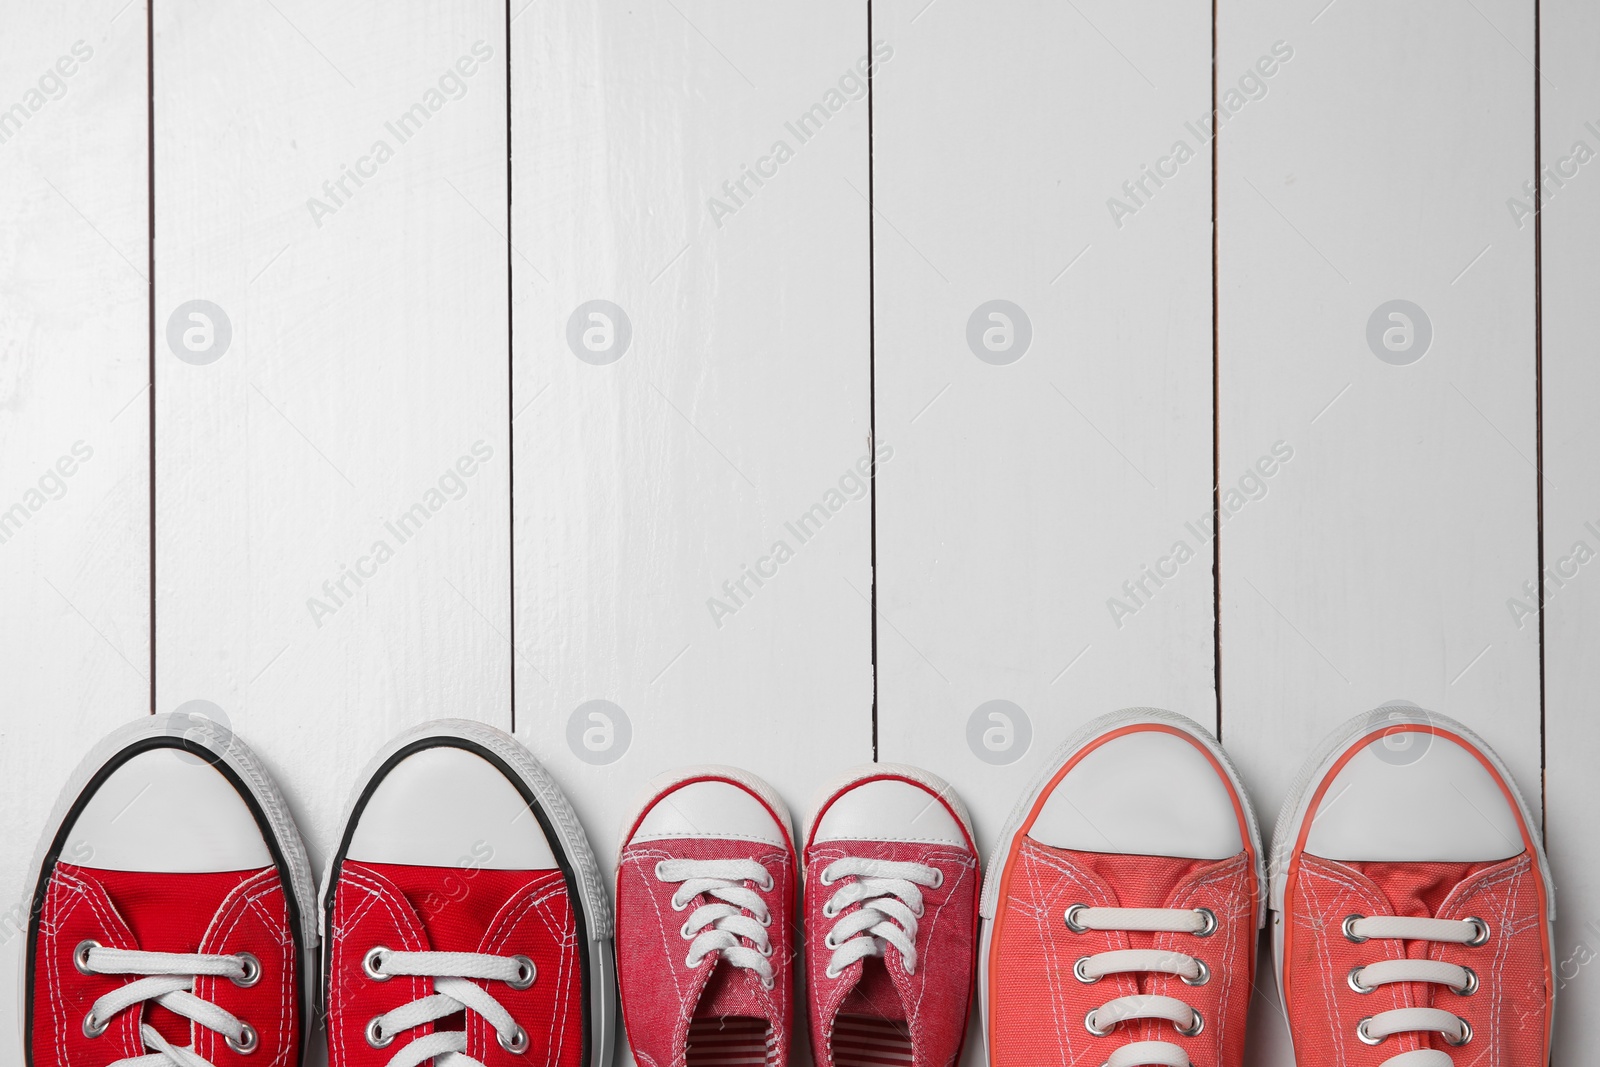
656	478
328	571
74	416
1570	109
1377	566
1028	496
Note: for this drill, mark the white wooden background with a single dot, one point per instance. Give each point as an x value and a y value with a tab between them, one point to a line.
1185	336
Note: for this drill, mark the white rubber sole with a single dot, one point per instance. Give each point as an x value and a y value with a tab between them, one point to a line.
592	896
1296	807
222	746
1105	724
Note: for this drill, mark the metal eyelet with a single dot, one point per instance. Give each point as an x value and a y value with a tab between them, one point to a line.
830	972
526	973
660	877
1349	928
766	950
1088	1024
247	1041
829	943
765	920
1471	985
1354	978
1367	1038
684	931
1081	975
375	1035
80	956
252	971
766	887
824	879
1210	926
768	983
518	1043
829	911
1200	979
938	878
1194	1028
1073	924
371	961
1482	936
1466	1034
93	1027
678	905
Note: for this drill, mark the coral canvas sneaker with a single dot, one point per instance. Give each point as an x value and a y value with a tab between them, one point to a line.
891	920
1411	902
706	885
465	920
1122	904
171	914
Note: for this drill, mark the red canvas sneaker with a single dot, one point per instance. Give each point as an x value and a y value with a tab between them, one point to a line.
1122	904
1411	902
171	913
465	919
891	920
706	885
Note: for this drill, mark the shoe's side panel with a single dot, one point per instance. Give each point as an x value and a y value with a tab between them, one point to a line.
75	427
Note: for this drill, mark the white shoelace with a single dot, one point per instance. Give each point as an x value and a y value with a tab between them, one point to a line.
736	915
1374	1029
453	991
167	979
890	896
1201	922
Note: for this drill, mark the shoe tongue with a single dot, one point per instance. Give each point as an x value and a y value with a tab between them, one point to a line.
168	913
1141	881
730	992
874	995
1419	890
456	905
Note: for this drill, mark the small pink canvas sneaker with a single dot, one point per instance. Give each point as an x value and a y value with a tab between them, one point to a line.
1122	904
891	916
1411	902
706	919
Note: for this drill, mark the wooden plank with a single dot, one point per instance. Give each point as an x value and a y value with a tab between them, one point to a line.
74	415
668	439
333	482
1570	268
1378	568
1034	486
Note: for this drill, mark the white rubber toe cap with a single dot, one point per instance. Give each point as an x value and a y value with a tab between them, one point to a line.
889	809
1413	796
447	807
1148	792
168	811
709	808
